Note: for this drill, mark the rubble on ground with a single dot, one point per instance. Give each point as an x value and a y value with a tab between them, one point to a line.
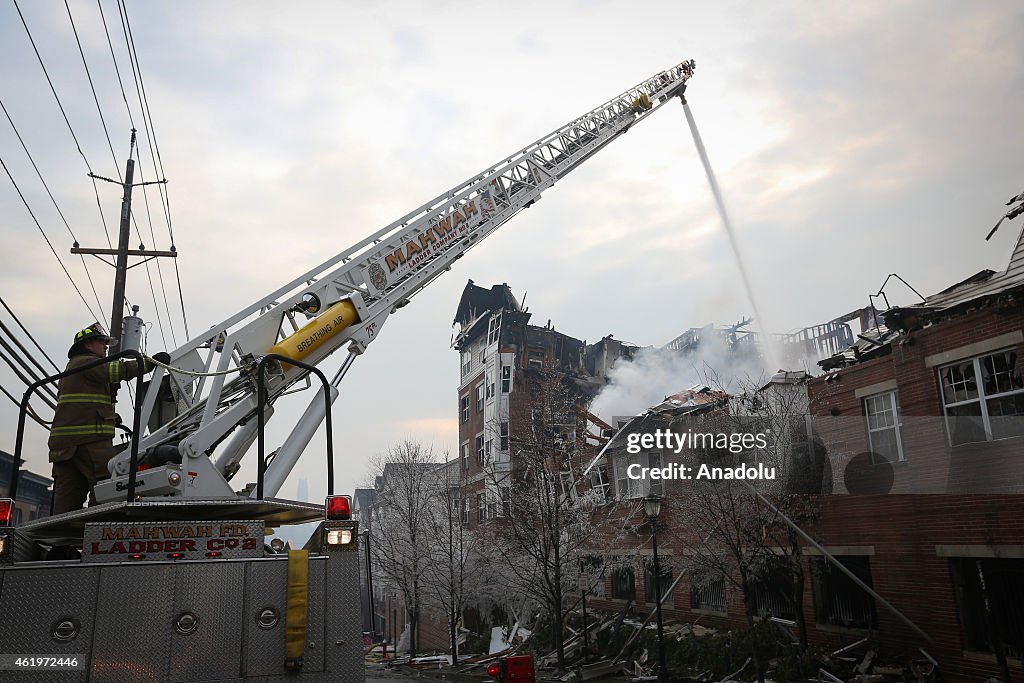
622	648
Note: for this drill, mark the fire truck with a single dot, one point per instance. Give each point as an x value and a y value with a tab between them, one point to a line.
169	577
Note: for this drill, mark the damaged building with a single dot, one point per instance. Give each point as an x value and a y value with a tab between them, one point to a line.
909	441
915	443
500	351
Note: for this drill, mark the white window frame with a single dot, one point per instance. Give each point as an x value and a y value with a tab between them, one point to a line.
506	379
599	482
982	398
480	397
480	452
465	456
464	408
897	425
493	328
631	489
503	436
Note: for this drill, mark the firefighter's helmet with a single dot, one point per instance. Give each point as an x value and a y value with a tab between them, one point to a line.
93	332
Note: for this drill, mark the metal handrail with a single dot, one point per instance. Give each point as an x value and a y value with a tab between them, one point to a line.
261	400
136	422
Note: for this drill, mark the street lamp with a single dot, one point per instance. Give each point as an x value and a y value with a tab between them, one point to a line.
652	508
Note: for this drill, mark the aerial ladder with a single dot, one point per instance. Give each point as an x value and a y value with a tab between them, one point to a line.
204	423
169	577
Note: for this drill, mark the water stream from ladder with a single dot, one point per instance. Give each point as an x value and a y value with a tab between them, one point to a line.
767	346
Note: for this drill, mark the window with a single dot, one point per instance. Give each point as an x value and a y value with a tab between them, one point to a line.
481	508
535	359
464	408
467	362
651	584
465	512
625	487
465	456
983	398
483	352
490	390
480	398
506	379
493	328
599	482
488	448
773	588
506	500
709	594
884	427
1004	583
837	599
480	452
503	437
623	583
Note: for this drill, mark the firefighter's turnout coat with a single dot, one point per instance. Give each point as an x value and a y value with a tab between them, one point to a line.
85	404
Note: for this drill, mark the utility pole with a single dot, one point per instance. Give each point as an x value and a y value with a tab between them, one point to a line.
123	252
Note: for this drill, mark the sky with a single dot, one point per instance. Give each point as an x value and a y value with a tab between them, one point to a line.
850	140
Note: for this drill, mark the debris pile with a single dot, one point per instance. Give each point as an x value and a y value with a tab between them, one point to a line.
621	648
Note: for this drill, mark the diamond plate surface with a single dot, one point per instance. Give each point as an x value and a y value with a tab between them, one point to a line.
213	592
344	646
266	586
133	628
39	597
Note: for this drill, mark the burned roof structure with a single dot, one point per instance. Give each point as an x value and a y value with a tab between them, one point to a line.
985	289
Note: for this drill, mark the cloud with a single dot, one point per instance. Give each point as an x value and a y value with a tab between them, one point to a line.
844	138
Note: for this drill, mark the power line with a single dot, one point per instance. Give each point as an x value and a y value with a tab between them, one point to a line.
48	243
92	87
28	334
78	146
52	199
154	152
30	412
52	88
31	377
114	59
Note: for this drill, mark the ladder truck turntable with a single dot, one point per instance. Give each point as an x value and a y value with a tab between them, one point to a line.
175	582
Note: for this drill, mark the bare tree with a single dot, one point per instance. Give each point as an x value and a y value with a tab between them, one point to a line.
732	533
452	549
543	530
401	547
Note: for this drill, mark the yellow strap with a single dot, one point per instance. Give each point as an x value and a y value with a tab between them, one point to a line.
295	617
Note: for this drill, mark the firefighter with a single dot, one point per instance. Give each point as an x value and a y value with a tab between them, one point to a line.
81	438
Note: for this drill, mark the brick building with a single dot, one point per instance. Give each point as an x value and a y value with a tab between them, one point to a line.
500	354
918	432
925	426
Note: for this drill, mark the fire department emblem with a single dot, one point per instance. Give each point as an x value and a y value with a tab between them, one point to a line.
378	278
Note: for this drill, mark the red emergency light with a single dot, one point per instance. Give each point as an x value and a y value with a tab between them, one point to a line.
6	511
339	507
494	669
